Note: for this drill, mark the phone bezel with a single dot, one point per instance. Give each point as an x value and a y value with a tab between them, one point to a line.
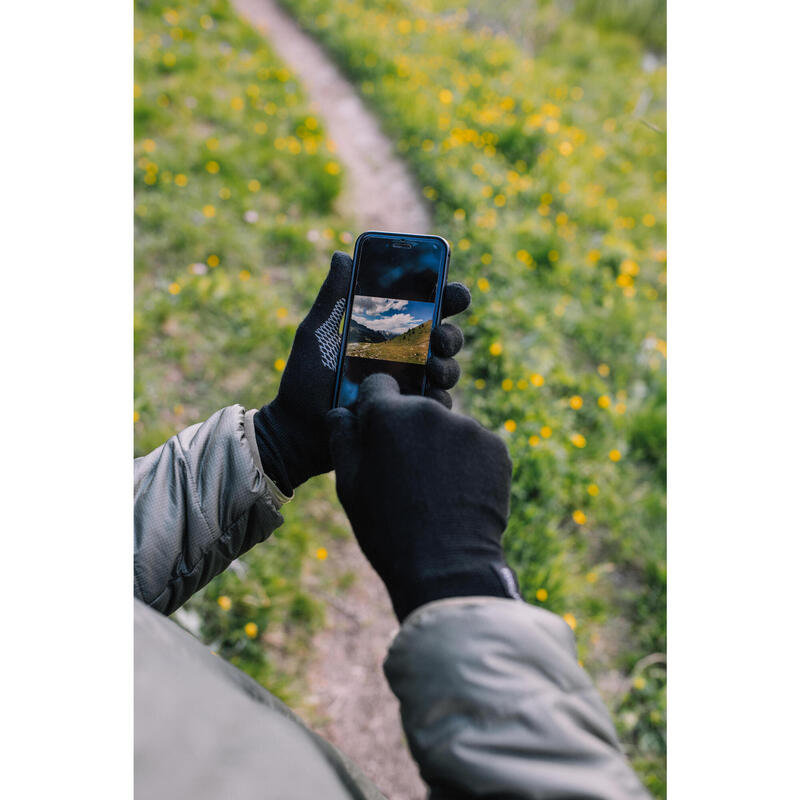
437	312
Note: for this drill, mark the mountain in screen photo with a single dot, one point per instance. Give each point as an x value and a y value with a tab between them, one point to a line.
388	329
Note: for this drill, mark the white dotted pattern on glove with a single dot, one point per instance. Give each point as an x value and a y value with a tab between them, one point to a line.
328	336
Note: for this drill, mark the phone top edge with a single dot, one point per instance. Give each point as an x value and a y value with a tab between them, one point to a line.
401	235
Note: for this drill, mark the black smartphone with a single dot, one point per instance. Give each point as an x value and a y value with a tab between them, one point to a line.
394	302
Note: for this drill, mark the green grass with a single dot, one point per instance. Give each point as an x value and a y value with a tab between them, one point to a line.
234	187
543	160
548	175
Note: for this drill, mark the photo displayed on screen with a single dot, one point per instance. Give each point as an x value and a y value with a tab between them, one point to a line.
390	329
392	314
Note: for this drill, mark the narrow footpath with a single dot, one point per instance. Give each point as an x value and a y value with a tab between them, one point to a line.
349	693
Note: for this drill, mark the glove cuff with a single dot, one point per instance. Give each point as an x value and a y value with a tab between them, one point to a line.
486	579
273	445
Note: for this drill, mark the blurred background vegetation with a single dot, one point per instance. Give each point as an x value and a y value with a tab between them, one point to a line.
536	131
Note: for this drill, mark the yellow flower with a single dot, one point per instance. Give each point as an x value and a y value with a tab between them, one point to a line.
480	383
563	187
604	401
570	620
565	148
321	553
579	517
181	179
148	145
209	211
135	416
620	408
603	370
578	440
541	595
615	455
459	214
648	220
593	256
212	143
282	313
237	104
280	364
591	577
500	200
593	489
224	602
244	275
639	683
212	167
522	384
332	168
576	401
254	185
251	630
483	284
510	425
553	255
546	431
224	193
212	261
495	348
445	96
507	385
533	441
486	258
174	288
537	379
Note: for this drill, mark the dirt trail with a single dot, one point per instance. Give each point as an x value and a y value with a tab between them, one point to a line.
349	692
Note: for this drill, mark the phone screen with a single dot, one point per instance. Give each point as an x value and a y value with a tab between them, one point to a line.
394	305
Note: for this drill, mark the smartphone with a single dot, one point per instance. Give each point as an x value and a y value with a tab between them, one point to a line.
394	302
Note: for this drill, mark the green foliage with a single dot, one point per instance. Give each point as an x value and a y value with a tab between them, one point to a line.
543	159
234	188
547	174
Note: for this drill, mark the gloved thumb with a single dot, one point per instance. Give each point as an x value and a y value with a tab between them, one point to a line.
334	289
344	444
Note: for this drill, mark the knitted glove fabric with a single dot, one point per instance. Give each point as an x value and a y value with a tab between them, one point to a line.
290	431
427	494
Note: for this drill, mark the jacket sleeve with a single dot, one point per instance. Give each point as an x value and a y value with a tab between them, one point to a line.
200	501
494	704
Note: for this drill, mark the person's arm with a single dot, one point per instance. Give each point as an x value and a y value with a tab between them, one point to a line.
494	704
200	500
493	701
214	490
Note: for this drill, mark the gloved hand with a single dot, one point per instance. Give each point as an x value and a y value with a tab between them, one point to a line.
290	431
427	494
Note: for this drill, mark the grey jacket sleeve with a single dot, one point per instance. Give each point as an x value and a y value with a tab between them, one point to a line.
200	500
494	704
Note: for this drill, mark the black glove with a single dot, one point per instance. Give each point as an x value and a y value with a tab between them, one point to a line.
290	431
427	494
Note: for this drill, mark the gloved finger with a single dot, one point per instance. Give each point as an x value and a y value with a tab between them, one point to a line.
456	299
375	391
342	427
446	340
439	395
443	372
335	286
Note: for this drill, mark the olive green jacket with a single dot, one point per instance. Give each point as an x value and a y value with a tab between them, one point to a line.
493	701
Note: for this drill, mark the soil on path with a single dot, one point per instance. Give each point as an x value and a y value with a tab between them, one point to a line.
349	694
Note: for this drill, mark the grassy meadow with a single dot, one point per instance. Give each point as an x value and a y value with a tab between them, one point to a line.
538	139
